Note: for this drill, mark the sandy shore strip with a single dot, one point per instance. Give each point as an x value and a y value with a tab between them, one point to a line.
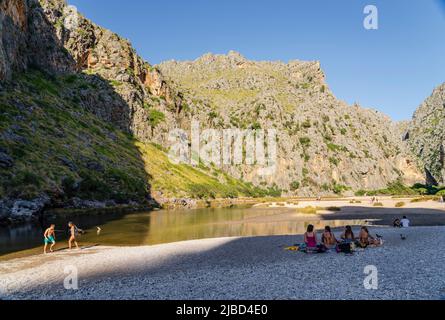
358	202
235	268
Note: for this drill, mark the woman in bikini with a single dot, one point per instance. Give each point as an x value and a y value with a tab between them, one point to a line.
328	238
348	235
365	239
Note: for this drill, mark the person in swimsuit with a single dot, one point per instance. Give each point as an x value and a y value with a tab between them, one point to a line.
365	239
73	233
348	235
310	237
49	237
328	238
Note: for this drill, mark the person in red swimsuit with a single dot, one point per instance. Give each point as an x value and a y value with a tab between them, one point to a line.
310	237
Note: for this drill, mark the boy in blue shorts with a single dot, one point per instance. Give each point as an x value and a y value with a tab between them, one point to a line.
49	237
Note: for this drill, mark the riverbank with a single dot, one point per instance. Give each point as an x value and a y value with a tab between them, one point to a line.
165	226
21	212
235	268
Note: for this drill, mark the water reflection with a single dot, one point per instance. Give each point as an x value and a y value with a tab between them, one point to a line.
164	226
170	226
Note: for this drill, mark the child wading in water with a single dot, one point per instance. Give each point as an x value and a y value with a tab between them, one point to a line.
73	233
49	237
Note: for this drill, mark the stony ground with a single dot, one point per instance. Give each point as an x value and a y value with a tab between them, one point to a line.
235	268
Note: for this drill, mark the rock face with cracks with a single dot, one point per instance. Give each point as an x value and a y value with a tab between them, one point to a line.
324	145
426	136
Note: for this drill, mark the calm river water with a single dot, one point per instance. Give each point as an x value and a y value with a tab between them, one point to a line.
147	228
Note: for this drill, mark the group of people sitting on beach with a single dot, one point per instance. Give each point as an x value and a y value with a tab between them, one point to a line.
50	236
345	244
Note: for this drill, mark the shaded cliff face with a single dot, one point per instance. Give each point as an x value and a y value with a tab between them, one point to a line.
48	35
28	39
324	144
426	136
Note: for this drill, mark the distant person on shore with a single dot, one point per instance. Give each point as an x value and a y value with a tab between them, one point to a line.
405	222
328	238
348	234
49	237
73	233
310	237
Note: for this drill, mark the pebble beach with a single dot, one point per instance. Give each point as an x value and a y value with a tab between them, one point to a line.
235	268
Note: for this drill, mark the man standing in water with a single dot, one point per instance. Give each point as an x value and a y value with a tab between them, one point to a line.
73	233
49	237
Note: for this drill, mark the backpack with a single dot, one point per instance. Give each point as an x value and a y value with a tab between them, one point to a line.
321	248
344	247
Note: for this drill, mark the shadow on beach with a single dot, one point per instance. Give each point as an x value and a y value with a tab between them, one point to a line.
386	216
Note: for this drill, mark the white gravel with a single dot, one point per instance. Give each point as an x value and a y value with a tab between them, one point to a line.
236	268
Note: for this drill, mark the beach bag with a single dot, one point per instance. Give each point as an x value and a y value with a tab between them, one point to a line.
344	247
321	248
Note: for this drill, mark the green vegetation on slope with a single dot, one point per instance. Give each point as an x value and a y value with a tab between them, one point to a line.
398	188
60	149
187	181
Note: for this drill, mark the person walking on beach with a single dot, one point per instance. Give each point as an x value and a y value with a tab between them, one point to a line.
73	232
49	237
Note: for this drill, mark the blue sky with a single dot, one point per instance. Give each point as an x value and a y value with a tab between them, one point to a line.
392	69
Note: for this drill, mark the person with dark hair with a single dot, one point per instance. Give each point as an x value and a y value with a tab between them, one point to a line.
348	234
396	223
365	239
405	222
310	237
328	238
347	241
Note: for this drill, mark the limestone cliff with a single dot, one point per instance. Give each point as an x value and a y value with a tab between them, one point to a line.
325	145
426	136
